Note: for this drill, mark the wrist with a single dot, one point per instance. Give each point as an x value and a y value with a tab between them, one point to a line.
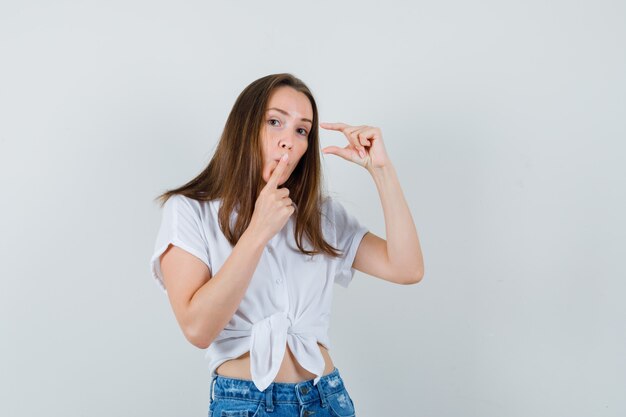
255	238
382	171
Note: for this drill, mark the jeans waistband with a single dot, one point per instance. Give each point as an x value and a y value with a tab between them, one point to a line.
278	392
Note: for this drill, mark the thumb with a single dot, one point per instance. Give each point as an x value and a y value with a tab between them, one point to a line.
335	150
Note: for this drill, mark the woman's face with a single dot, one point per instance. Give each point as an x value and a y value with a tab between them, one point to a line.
287	123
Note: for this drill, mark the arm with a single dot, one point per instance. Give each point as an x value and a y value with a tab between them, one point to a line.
202	304
399	258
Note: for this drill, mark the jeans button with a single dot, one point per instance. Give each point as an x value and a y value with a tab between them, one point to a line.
304	390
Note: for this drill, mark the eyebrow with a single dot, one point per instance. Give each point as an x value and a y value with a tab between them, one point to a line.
287	114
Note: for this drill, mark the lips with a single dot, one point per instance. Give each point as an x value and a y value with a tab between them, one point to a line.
277	161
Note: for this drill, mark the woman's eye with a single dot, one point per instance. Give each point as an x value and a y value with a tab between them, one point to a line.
301	130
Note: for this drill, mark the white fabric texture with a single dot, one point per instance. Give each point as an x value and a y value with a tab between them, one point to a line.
288	300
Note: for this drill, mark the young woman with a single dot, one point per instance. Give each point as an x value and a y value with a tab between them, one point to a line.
248	252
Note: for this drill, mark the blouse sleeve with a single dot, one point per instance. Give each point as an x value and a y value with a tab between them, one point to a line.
349	234
180	226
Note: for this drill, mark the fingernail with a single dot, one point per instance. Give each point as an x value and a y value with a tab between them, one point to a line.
285	156
362	153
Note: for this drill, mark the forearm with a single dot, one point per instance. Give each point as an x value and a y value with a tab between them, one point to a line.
214	304
403	247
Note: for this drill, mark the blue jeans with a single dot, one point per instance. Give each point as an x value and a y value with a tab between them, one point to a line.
233	397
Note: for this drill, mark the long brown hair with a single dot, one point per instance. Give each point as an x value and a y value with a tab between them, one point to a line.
234	172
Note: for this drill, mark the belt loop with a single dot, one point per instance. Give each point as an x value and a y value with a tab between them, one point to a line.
211	387
322	396
269	405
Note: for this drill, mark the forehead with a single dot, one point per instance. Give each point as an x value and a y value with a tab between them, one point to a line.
294	102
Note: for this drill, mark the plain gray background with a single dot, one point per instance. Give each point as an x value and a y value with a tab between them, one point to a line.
506	124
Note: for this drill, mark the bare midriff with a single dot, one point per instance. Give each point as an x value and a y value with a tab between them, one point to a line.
290	370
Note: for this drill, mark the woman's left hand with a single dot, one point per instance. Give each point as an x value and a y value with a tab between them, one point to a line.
365	145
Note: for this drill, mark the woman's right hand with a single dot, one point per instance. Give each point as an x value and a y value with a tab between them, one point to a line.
273	206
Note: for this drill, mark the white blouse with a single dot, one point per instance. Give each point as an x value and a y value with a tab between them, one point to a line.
288	300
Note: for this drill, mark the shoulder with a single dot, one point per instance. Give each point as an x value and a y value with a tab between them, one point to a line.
333	208
197	213
335	214
330	205
182	203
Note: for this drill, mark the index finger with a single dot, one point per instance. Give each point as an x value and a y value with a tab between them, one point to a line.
278	171
334	126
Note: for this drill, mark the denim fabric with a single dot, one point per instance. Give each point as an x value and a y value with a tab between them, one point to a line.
233	397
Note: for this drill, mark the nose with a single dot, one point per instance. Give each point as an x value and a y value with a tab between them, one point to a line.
286	143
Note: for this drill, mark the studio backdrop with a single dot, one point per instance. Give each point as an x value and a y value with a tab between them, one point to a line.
505	122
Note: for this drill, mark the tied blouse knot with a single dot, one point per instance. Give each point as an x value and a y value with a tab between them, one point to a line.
288	300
